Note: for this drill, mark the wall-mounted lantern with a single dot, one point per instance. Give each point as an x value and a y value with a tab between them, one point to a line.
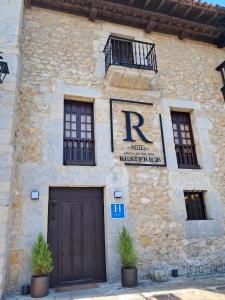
118	194
34	195
4	70
221	68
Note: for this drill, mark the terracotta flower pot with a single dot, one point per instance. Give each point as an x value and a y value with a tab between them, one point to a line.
129	277
39	286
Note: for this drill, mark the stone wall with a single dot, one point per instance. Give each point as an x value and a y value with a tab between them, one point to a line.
62	57
11	13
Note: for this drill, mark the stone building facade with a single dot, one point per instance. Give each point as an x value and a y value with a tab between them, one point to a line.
61	57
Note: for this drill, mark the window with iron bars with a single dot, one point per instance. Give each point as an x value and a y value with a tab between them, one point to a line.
195	205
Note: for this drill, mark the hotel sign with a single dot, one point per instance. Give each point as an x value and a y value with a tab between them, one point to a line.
136	133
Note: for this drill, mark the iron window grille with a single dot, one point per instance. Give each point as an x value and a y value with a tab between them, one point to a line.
184	141
195	205
130	53
79	143
221	68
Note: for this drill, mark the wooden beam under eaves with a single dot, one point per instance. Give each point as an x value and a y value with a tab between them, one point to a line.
213	18
93	13
147	2
173	8
187	11
27	3
150	26
199	15
161	3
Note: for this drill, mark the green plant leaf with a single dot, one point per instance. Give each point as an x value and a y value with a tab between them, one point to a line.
128	257
41	257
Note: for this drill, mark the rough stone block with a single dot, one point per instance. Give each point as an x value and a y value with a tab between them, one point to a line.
159	274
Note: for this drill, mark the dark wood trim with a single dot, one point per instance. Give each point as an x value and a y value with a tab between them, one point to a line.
83	208
184	140
27	3
78	139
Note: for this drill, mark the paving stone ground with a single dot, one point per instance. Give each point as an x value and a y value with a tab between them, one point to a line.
201	288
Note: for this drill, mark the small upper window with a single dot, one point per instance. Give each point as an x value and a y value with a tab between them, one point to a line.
78	133
184	141
195	205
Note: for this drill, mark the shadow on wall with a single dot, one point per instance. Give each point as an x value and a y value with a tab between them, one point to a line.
164	297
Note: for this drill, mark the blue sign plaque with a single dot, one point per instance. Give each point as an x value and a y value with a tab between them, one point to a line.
117	211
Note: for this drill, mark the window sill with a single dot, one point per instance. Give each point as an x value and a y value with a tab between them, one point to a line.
197	167
199	220
209	228
75	163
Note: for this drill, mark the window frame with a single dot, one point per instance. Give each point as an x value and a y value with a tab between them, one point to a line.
201	204
92	139
180	147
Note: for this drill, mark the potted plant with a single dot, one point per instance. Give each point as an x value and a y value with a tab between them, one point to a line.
128	260
41	266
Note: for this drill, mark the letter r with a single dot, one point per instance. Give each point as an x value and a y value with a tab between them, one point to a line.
136	127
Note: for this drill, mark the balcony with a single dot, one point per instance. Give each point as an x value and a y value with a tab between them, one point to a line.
130	63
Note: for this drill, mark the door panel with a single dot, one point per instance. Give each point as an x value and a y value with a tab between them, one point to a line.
76	235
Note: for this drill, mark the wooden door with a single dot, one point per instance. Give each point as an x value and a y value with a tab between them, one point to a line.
76	235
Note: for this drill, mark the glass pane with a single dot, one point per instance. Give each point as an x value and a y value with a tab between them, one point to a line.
183	134
83	127
176	141
73	126
184	141
189	142
88	119
83	118
175	133
186	127
83	134
188	135
74	134
182	126
67	125
88	127
67	117
89	135
73	118
174	126
67	133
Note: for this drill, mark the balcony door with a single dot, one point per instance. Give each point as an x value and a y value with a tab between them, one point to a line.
122	52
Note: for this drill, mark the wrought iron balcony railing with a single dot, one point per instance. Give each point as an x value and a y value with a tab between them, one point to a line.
130	53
